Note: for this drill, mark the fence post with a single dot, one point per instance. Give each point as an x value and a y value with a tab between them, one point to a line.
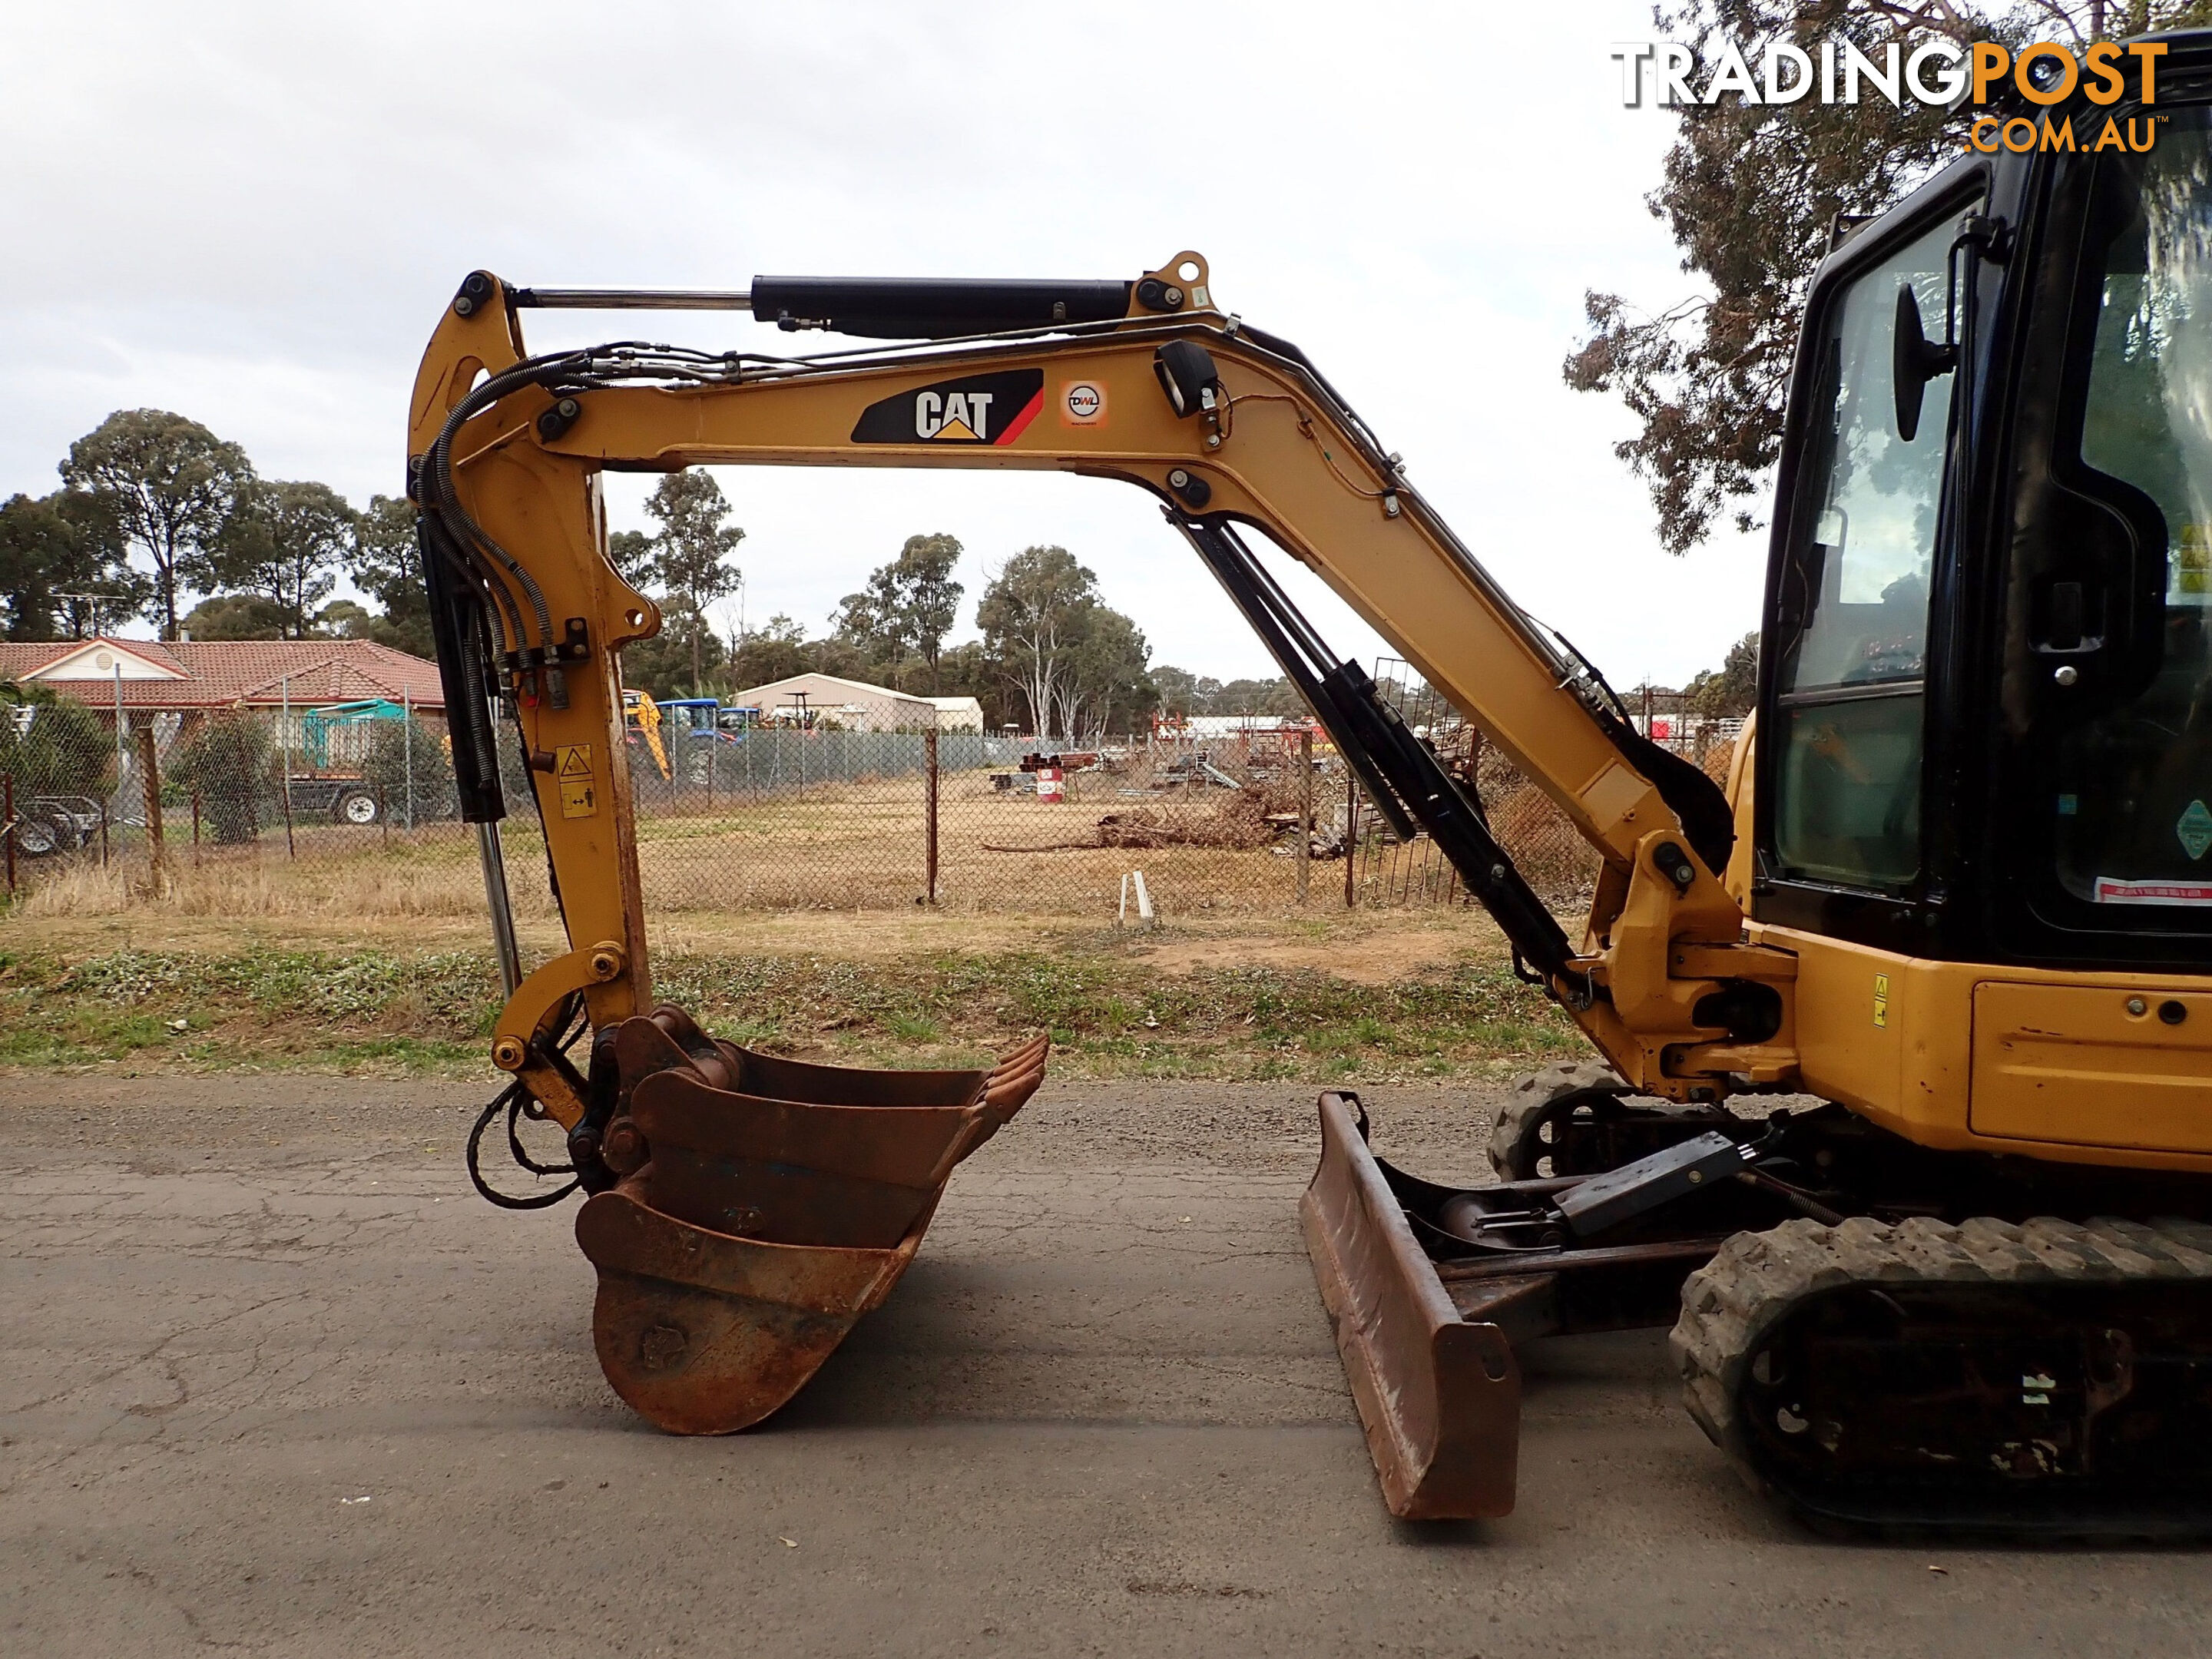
407	750
285	732
149	759
122	734
8	825
1351	831
1305	814
929	810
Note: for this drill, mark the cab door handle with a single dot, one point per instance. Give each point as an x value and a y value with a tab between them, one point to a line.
2070	619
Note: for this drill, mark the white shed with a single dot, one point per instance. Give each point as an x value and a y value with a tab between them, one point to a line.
856	706
958	713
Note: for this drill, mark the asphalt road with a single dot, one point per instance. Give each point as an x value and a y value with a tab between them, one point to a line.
272	1381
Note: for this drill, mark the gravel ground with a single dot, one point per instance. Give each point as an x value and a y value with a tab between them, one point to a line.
274	1381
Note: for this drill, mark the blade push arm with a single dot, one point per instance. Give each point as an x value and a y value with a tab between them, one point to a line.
1226	426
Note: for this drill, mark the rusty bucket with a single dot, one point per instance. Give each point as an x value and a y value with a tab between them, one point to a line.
1438	1393
766	1205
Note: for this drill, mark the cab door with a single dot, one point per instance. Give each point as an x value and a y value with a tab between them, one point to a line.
1845	669
2104	776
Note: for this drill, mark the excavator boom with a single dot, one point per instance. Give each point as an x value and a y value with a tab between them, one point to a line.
1229	428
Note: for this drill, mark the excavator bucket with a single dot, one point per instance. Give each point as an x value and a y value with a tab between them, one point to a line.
766	1205
1438	1393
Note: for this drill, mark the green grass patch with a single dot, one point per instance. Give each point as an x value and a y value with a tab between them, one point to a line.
428	1014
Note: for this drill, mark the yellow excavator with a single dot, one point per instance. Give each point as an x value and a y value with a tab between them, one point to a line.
1903	1123
641	716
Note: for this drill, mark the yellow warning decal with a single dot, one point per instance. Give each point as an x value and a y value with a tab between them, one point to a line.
1881	999
572	771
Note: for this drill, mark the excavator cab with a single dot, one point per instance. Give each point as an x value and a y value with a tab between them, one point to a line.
1987	700
1985	721
1975	1291
1958	893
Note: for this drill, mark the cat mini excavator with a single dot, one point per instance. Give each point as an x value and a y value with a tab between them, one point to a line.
1905	1121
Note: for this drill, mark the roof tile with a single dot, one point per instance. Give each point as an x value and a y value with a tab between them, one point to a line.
224	673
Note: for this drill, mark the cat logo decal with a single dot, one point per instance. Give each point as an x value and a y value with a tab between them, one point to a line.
983	409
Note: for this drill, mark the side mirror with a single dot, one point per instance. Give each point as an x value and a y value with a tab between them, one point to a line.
1914	360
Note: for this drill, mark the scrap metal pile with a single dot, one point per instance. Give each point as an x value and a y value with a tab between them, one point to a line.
1244	819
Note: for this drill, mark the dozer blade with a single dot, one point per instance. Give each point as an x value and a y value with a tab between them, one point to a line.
778	1202
1428	1316
1439	1394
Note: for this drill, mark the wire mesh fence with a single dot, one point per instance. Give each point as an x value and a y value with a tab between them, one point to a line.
254	810
1550	853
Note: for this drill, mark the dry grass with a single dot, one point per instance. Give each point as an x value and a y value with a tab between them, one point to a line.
839	848
367	951
861	846
835	849
374	882
1368	946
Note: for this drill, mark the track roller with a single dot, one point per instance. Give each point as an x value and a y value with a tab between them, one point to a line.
1578	1120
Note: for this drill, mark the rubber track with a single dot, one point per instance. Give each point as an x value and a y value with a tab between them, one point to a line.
1729	1305
1533	1097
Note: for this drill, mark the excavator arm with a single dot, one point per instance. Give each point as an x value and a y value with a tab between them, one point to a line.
1146	382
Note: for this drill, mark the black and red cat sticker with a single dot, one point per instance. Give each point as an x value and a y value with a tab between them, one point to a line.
983	408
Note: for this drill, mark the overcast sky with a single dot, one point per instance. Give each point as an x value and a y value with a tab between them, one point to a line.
252	215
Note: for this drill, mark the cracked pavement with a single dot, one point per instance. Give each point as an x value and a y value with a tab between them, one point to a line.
275	1381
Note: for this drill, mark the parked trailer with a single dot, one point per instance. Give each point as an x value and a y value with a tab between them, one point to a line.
347	798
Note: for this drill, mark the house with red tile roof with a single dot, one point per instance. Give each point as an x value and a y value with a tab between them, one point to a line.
191	677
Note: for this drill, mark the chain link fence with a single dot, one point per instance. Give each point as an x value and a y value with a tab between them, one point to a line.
1558	863
258	812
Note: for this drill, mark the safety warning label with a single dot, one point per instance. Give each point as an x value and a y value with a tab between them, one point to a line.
572	771
2109	890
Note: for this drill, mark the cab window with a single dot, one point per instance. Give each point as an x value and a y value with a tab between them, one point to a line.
1853	623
